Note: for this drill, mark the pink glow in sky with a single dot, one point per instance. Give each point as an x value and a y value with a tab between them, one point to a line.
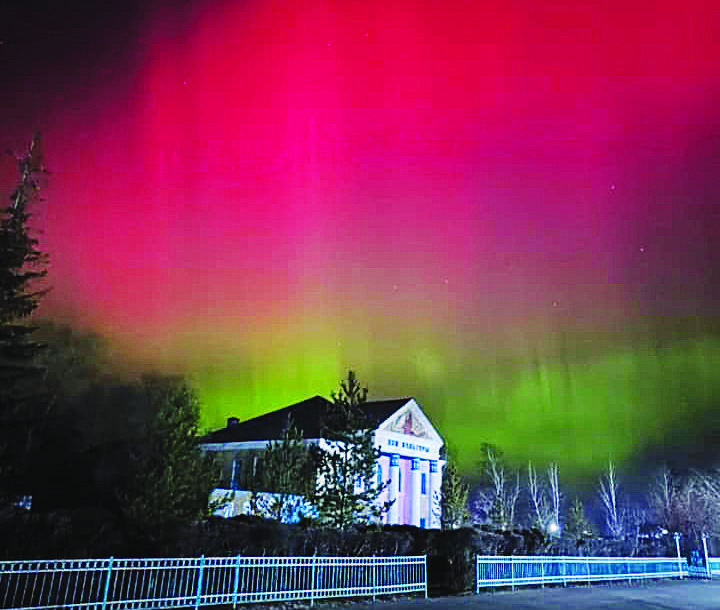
425	191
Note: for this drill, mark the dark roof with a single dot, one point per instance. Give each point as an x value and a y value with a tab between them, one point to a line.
306	415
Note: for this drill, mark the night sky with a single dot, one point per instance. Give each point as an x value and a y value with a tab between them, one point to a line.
506	209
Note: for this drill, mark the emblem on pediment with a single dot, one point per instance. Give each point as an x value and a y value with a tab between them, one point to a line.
405	423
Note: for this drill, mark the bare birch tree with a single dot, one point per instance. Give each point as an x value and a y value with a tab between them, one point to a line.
689	503
540	505
495	472
512	499
608	492
703	502
635	516
498	499
555	498
663	498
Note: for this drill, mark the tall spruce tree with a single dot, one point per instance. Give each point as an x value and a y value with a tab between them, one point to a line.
22	264
347	490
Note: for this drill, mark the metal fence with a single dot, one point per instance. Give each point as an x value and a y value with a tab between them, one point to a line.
512	571
176	583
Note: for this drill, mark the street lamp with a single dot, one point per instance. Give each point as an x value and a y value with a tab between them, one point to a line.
677	548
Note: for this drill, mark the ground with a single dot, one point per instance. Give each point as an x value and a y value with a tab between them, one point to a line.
663	595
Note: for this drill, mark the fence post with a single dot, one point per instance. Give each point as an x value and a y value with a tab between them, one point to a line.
312	579
107	582
542	573
200	582
563	566
426	574
512	573
236	586
677	548
707	561
477	574
374	577
587	565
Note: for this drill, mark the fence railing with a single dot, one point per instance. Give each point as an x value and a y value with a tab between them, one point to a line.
193	582
512	571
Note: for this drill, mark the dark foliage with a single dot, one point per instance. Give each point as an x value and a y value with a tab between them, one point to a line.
347	491
172	476
103	457
450	553
23	403
453	498
97	420
288	469
64	533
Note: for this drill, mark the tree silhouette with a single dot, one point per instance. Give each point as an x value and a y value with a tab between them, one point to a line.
347	489
22	265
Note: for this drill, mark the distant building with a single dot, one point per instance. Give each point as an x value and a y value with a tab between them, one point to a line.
410	459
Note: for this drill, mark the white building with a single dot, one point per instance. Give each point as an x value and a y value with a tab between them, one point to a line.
410	459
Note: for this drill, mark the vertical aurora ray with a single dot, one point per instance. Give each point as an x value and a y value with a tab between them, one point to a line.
503	209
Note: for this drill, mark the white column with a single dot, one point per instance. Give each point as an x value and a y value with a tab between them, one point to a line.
434	490
425	498
414	495
393	496
234	474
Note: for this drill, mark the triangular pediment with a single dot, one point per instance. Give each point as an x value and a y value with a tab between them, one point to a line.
410	421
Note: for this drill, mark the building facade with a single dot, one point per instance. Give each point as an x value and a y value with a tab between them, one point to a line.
410	461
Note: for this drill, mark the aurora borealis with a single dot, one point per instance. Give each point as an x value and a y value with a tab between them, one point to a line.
507	210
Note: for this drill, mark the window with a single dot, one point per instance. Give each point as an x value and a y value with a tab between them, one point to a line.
423	484
379	474
399	480
422	522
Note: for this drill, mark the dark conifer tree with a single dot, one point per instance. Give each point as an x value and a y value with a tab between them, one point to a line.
578	527
22	265
454	498
173	476
348	489
287	471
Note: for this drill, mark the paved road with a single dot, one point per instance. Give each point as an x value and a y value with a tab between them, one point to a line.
663	595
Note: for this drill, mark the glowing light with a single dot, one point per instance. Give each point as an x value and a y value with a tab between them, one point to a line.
292	213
